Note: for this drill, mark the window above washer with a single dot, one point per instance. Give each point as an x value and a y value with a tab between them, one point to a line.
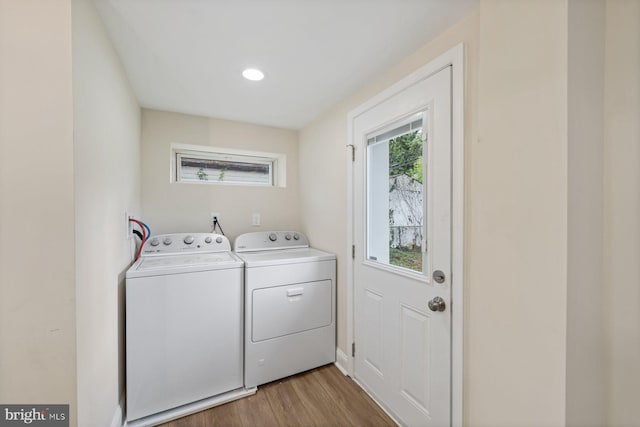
195	164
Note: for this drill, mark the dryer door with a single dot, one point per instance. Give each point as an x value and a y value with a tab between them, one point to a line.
285	310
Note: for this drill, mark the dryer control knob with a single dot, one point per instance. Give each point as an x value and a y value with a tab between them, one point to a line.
188	240
273	237
154	242
167	241
219	239
208	239
296	236
287	236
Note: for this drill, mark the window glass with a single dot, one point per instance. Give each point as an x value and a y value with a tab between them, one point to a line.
203	169
395	196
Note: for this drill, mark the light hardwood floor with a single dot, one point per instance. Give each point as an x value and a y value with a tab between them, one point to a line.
321	397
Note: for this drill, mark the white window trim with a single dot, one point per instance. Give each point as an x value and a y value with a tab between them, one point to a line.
278	160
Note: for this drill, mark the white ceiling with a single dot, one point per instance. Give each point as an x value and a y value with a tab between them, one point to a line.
187	55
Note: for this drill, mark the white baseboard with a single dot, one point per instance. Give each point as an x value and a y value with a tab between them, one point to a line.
342	361
118	415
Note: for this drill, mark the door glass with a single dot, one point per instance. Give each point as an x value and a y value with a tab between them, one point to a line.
395	195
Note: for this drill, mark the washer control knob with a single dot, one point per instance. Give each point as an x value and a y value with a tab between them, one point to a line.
208	239
287	236
219	239
154	242
167	241
296	236
188	240
273	237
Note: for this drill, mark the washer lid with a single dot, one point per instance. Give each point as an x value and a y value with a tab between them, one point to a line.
173	264
284	256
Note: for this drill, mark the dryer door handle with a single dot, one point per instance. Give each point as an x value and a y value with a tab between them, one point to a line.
294	292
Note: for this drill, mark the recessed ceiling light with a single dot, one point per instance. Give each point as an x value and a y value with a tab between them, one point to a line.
253	74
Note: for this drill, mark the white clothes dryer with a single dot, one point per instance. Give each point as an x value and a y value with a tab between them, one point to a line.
184	327
290	305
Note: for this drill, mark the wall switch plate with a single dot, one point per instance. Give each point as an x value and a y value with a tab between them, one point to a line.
255	220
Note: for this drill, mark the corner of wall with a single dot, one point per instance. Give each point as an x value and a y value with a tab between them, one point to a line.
107	176
585	396
622	211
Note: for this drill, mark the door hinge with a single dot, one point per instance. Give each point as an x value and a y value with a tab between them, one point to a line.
353	251
353	349
353	152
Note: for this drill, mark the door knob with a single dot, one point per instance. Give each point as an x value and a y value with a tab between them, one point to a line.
437	304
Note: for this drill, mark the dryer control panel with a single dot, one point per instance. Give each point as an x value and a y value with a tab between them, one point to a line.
177	243
270	240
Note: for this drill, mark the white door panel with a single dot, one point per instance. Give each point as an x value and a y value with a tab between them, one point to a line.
414	357
372	336
402	229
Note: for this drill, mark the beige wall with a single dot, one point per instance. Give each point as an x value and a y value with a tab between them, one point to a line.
531	276
552	300
622	210
37	292
586	396
323	142
517	239
107	182
516	205
172	208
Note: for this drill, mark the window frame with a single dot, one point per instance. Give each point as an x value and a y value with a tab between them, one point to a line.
276	162
370	140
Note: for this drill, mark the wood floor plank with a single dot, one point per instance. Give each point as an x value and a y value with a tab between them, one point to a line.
360	409
256	411
322	397
318	402
287	405
228	416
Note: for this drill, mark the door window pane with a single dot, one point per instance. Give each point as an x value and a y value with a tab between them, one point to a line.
395	195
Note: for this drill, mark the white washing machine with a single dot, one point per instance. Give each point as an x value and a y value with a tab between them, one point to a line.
290	305
184	327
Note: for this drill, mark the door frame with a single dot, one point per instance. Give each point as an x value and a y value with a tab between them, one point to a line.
454	57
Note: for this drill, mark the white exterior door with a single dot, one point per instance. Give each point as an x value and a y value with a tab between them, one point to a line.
402	266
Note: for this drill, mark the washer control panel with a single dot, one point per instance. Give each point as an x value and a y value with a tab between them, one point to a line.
167	244
270	240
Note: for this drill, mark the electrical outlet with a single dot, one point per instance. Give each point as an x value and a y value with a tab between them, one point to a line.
213	215
255	220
